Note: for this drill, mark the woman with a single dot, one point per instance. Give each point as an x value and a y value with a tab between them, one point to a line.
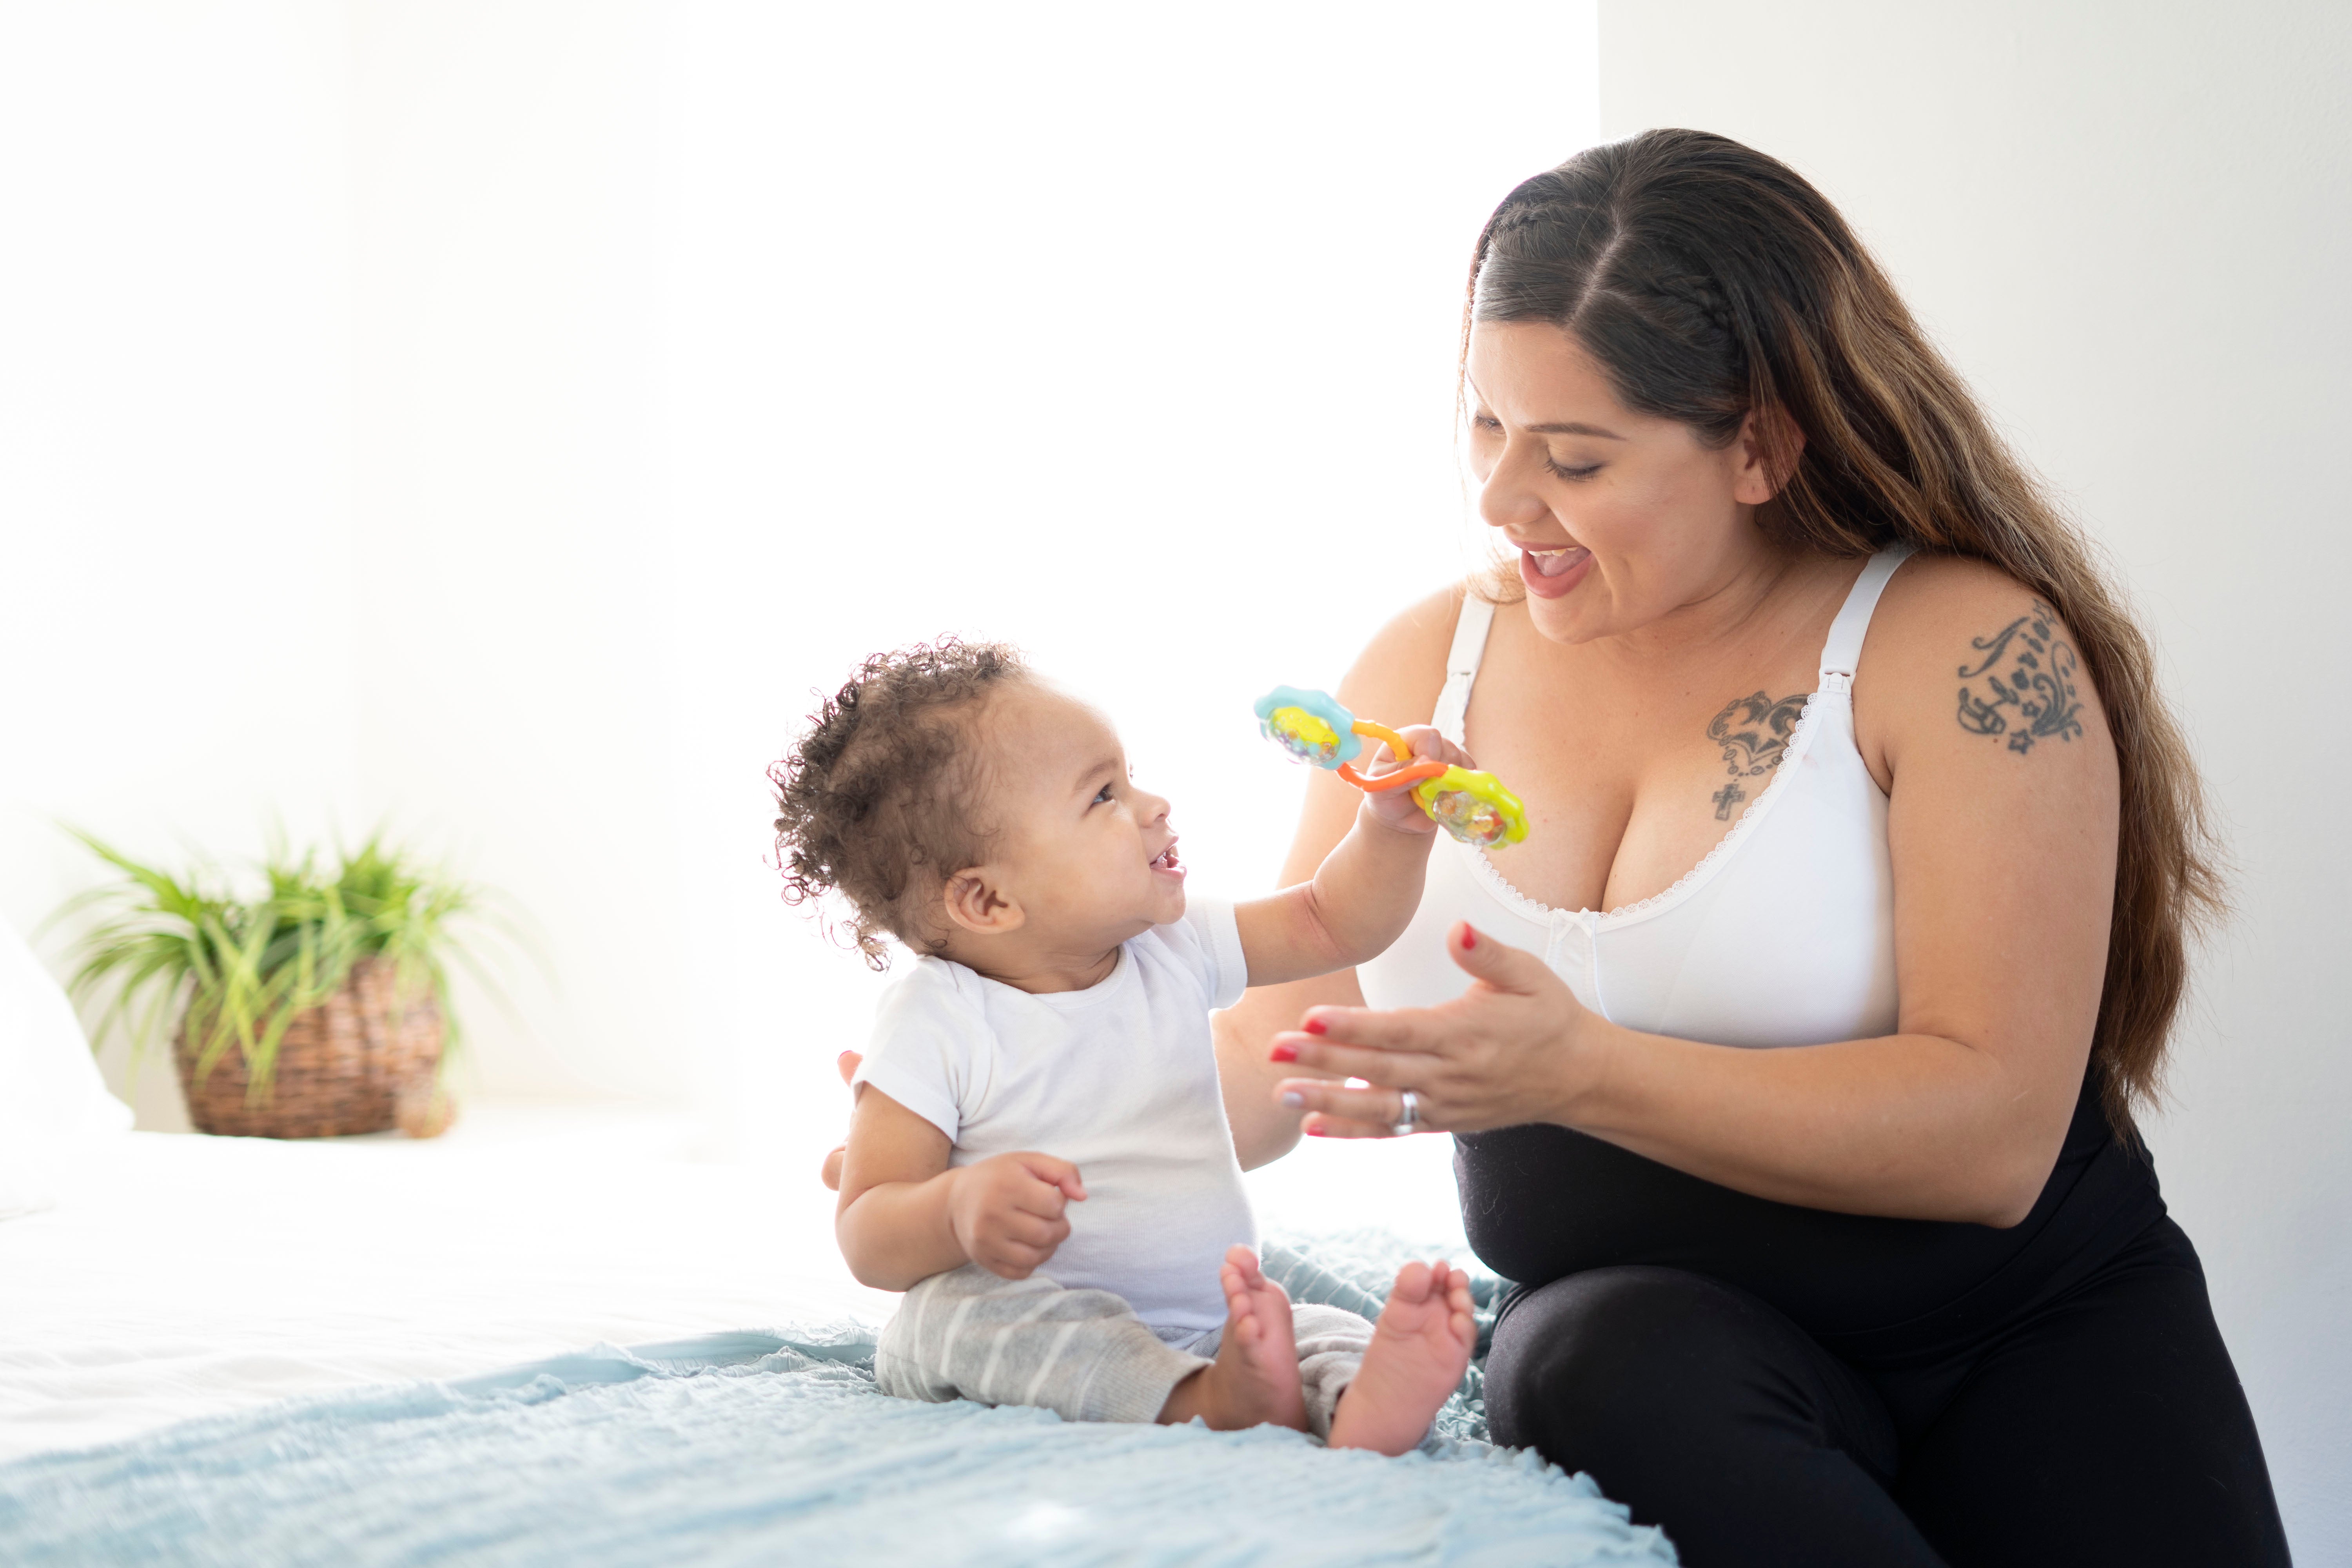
1793	1057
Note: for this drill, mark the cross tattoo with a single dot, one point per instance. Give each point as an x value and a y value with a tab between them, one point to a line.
1729	796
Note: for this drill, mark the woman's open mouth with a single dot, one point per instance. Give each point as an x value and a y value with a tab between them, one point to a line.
1166	860
1548	573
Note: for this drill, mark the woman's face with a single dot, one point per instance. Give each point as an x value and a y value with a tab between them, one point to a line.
1620	519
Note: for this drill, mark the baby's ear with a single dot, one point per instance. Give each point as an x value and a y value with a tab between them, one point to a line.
975	902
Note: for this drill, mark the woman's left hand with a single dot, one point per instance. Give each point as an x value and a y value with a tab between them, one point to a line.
1517	1047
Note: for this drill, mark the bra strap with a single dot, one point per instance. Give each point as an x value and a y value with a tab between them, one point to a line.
1844	649
1461	660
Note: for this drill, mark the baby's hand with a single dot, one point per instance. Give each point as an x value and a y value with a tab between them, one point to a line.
1396	807
1006	1211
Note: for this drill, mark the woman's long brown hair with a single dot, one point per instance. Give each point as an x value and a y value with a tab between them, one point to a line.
1710	282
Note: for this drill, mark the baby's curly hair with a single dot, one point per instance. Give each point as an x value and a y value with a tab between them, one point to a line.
874	802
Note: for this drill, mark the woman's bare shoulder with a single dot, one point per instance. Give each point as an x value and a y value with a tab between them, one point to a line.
1955	636
1932	599
1397	679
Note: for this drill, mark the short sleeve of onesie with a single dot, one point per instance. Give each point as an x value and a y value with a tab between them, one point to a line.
927	1044
1208	941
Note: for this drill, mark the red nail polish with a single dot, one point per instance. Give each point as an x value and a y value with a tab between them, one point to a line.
1469	939
1284	1053
1314	1025
1316	1132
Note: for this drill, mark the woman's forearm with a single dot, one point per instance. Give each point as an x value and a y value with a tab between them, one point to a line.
1910	1126
1920	1125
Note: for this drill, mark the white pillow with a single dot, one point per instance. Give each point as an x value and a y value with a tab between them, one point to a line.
53	1101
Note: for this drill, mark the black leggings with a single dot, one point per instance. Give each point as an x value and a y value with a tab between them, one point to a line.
2104	1426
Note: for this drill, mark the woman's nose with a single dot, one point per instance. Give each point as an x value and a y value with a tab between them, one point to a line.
1506	500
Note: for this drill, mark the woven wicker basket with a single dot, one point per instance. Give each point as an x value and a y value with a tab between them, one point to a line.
366	1059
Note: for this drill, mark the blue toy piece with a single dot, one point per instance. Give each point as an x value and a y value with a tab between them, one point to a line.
1310	726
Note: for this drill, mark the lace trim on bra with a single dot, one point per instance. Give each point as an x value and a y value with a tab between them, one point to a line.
1799	740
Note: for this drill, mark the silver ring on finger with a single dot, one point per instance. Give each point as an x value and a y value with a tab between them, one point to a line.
1408	1120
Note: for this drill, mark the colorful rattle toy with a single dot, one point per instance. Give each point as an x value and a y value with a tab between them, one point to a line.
1473	806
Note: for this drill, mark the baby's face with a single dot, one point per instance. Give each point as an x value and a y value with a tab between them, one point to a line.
1090	857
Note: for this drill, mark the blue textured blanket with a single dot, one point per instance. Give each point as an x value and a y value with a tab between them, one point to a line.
776	1449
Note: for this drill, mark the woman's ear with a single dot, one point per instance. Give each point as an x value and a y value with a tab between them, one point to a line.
976	902
1768	449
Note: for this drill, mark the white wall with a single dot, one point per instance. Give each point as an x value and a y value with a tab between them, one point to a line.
575	384
519	703
177	655
706	348
2131	227
1125	338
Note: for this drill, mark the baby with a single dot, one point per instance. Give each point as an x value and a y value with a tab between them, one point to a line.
1039	1155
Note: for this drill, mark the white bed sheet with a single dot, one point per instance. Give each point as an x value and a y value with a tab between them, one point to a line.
183	1275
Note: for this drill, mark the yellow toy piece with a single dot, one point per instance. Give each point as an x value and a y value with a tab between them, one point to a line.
1475	807
1297	730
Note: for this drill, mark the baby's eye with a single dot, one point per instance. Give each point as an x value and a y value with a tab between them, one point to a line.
1103	795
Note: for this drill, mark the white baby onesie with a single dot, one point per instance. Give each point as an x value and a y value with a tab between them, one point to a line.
1121	1080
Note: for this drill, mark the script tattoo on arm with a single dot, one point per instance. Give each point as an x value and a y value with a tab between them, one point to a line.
1754	734
2029	683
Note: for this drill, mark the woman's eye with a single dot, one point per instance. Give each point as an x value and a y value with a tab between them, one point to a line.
1584	472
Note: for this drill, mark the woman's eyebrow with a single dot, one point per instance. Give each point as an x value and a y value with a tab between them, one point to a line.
1568	427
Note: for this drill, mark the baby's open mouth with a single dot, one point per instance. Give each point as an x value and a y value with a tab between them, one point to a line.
1166	859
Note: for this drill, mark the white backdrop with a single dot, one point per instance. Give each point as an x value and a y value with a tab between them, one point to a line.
579	384
1128	340
2131	225
176	657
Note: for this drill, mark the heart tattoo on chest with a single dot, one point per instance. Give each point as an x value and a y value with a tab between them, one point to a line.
1753	733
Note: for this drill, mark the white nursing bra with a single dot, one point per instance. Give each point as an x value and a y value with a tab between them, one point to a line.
1784	935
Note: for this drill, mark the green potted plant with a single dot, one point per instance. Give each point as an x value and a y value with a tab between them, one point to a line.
316	1007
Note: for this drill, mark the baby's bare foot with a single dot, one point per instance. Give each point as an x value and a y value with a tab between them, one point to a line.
1420	1346
1254	1379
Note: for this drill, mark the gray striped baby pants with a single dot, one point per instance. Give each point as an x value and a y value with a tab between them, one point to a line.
967	1334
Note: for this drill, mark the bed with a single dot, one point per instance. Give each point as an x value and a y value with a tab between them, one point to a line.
554	1342
555	1336
182	1275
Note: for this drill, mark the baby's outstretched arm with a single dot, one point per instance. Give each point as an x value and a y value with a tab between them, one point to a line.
1362	897
905	1214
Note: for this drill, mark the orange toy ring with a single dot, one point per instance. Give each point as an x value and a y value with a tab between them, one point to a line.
1411	774
1408	772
